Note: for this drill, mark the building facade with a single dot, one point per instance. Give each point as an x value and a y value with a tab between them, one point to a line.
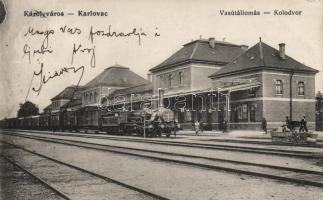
183	78
209	81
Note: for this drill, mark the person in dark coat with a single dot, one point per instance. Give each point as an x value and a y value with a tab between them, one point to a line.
303	125
175	127
264	125
197	127
225	126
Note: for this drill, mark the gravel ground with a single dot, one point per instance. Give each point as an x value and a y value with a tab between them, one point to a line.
16	184
74	183
172	180
310	164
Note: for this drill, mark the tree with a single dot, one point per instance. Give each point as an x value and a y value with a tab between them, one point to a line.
28	108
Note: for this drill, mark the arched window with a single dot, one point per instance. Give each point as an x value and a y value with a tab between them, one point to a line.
301	88
95	97
91	98
279	87
181	78
170	80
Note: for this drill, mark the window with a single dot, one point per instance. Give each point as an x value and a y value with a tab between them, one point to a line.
245	112
252	113
91	98
181	78
301	88
279	87
242	112
162	81
170	80
95	97
252	92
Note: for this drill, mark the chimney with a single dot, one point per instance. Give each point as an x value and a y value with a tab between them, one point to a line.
282	50
149	77
212	42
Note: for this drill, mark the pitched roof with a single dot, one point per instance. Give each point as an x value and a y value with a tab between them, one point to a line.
201	51
251	60
72	103
48	107
117	75
68	92
134	90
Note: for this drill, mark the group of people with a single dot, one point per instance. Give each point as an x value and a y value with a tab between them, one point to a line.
288	125
198	126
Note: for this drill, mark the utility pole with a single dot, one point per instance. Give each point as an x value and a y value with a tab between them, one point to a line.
218	109
291	96
145	125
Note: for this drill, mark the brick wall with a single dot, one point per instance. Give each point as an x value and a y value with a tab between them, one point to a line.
161	80
269	78
195	77
200	76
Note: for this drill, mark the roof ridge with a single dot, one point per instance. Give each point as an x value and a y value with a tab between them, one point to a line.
135	86
251	60
194	50
261	55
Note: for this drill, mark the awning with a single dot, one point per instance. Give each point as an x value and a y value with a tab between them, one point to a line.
241	87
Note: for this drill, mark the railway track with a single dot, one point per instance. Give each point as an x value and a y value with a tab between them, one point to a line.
256	150
267	143
39	181
291	175
72	182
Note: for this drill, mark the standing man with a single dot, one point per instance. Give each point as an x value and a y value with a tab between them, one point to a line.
197	127
175	127
264	125
303	125
225	126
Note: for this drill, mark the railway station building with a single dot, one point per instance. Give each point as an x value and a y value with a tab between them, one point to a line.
266	83
208	81
184	80
213	81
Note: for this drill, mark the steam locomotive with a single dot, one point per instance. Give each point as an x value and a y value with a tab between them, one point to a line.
145	122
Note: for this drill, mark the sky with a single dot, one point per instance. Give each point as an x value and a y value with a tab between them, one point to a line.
177	23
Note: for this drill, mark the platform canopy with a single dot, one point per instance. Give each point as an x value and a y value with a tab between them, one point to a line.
245	86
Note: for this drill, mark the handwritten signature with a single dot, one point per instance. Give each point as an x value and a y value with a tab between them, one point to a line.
43	79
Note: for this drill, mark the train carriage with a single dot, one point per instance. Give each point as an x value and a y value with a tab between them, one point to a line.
27	122
44	121
20	123
69	120
35	122
54	122
111	122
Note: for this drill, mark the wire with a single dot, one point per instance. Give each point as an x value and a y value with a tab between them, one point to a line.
32	78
